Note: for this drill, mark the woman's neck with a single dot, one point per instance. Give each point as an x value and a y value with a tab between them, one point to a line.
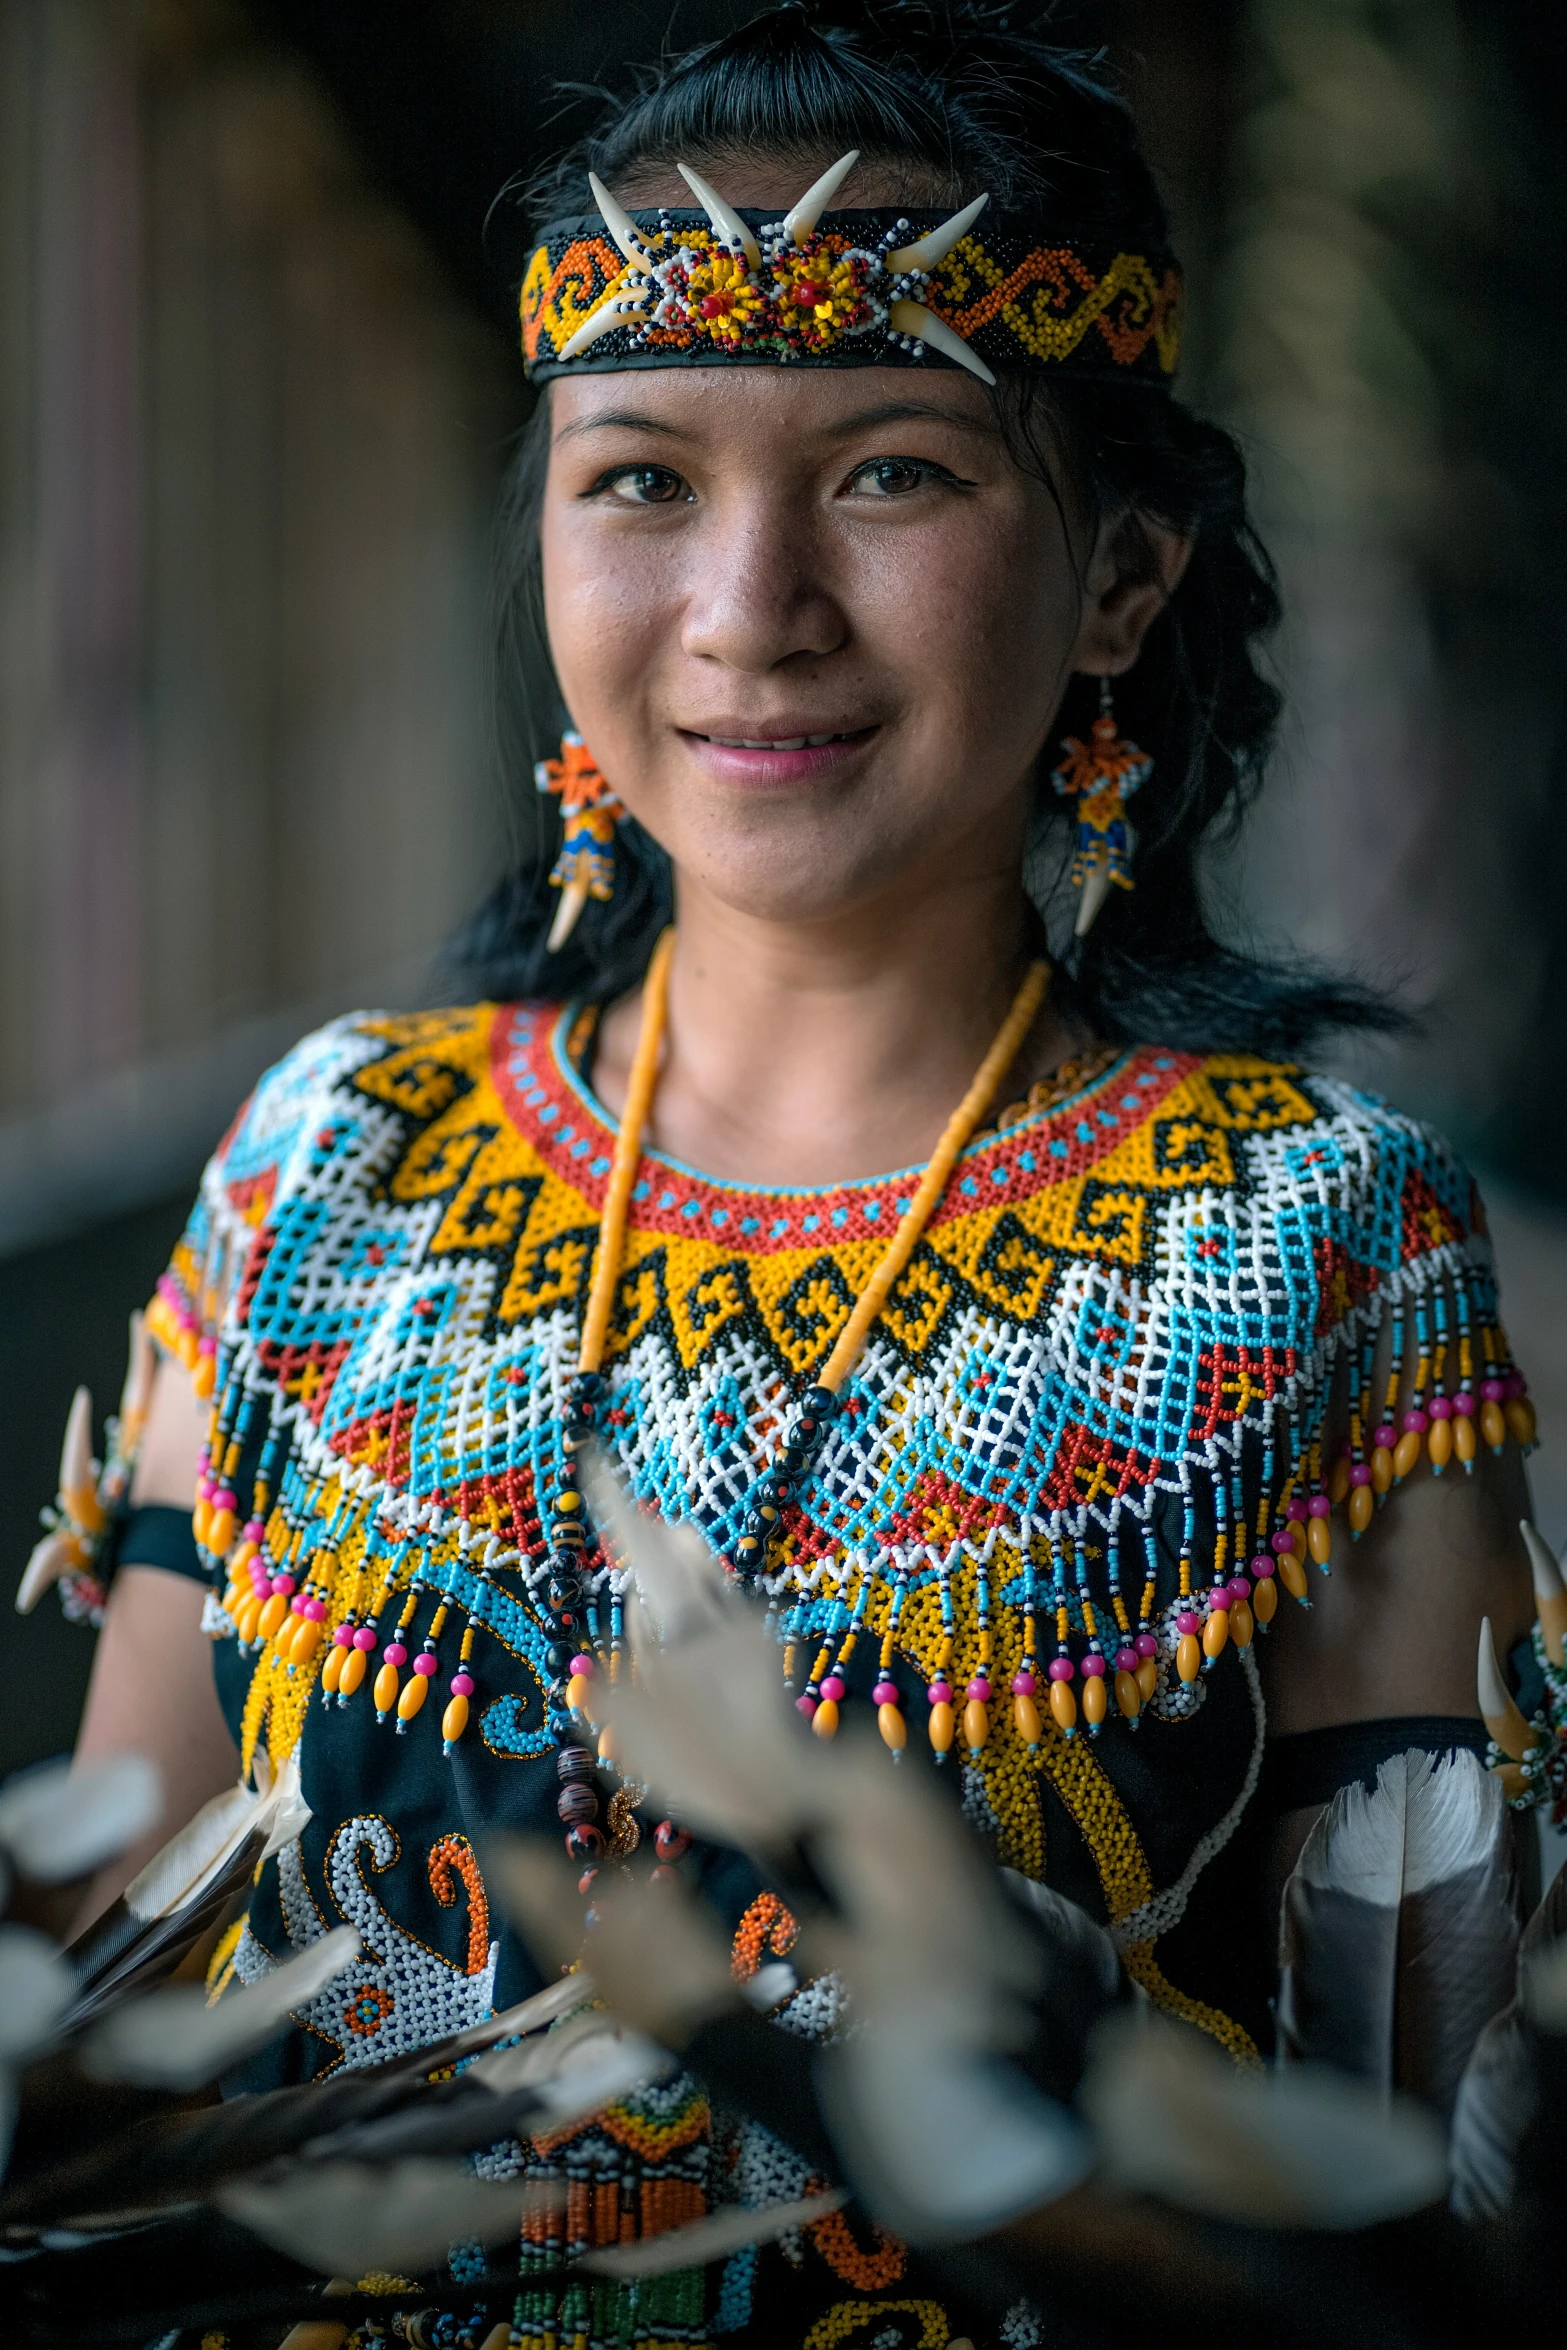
817	1054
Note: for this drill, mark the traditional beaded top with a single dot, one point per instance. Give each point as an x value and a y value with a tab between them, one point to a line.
1134	1300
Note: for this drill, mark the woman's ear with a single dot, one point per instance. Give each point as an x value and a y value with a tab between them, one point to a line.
1134	570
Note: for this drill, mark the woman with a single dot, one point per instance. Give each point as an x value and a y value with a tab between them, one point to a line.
832	522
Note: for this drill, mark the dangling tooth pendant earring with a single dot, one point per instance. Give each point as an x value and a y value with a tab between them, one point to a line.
1100	775
590	810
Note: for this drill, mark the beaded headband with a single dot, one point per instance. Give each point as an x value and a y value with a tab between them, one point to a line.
727	287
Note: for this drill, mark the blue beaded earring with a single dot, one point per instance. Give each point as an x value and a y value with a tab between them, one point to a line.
1101	776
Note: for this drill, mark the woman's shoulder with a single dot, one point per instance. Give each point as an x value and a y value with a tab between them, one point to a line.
413	1062
1315	1158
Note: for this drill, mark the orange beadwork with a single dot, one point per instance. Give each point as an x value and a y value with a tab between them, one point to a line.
1101	775
590	809
767	1929
867	2271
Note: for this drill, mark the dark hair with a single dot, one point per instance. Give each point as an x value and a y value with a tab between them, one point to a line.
946	101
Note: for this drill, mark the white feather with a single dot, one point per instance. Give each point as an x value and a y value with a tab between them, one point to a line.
1005	2149
173	2039
64	1821
1399	1937
196	1853
1176	2119
1500	2091
710	2239
346	2219
658	1956
35	1989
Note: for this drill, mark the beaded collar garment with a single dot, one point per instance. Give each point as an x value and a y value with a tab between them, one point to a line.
1134	1291
1125	1315
1072	1467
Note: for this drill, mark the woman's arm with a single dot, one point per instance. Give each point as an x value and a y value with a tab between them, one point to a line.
152	1690
1394	1629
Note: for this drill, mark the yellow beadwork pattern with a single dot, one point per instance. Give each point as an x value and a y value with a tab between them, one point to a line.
841	2323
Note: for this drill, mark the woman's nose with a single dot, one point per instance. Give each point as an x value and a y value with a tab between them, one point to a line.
759	594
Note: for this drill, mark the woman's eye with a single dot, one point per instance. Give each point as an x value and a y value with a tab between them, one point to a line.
643	485
896	477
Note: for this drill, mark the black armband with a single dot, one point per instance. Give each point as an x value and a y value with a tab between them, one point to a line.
154	1535
1309	1767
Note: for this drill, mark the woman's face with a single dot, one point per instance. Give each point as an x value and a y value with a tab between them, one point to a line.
814	626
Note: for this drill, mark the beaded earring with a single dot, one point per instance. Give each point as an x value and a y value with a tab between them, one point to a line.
1100	775
590	810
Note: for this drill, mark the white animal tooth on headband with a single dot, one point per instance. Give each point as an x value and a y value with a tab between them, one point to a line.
912	318
723	216
799	223
602	321
619	223
936	243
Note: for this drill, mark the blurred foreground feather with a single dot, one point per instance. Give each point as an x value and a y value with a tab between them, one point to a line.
987	2084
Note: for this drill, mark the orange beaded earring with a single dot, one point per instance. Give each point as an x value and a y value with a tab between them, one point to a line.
1100	775
590	810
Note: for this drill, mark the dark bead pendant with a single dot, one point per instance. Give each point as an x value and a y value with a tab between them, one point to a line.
576	1804
585	1843
574	1762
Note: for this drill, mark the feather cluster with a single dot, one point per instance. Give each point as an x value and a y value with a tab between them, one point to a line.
992	2085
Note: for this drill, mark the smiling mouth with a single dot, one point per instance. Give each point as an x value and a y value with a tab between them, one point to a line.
780	742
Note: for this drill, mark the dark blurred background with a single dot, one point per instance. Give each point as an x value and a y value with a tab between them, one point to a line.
258	383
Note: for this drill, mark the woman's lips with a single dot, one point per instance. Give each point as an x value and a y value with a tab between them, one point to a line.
730	756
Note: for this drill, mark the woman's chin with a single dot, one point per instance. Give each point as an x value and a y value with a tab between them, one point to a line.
789	893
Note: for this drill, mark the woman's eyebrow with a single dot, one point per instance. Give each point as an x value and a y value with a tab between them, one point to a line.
622	419
913	412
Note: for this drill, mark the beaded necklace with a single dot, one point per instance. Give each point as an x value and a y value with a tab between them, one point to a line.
806	1433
